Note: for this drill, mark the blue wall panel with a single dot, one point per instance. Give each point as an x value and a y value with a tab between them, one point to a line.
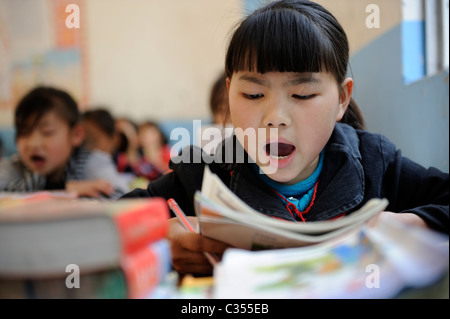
414	116
413	50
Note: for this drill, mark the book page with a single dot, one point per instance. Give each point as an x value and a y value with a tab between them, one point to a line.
216	191
219	222
219	194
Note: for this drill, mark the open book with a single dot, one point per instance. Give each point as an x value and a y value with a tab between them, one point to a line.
224	216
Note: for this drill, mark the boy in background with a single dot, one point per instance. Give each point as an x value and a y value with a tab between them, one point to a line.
100	130
218	101
49	139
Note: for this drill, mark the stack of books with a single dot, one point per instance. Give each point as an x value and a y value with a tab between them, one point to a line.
56	247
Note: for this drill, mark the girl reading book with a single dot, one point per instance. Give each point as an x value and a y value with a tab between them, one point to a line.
286	68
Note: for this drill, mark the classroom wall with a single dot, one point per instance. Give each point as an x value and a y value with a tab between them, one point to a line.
411	110
414	116
158	59
144	59
352	15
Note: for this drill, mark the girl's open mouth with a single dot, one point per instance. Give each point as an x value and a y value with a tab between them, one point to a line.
279	151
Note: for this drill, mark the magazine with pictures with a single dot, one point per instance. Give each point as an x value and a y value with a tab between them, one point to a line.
389	260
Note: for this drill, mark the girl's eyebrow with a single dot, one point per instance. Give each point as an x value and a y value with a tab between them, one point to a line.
253	79
306	78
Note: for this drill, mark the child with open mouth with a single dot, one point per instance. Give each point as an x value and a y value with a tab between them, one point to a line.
51	155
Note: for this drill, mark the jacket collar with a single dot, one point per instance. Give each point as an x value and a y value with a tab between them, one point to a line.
341	184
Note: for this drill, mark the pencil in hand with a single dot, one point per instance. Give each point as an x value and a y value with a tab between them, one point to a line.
182	218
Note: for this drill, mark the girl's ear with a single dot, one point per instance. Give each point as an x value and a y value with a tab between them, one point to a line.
77	135
345	95
227	82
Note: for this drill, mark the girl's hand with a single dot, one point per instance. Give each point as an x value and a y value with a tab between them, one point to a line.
90	188
188	247
405	218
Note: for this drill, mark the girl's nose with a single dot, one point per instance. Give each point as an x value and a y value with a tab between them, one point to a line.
276	115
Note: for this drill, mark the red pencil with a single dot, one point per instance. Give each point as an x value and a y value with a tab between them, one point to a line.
187	224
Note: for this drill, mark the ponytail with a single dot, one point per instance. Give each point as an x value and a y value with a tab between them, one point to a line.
353	116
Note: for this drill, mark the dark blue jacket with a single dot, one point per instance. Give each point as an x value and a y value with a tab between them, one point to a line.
358	166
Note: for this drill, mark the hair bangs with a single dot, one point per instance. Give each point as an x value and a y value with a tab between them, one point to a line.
28	114
279	41
38	102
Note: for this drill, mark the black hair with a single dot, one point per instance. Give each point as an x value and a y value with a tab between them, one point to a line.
292	36
38	102
103	119
123	142
353	116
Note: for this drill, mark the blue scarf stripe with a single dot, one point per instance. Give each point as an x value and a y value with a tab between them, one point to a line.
299	194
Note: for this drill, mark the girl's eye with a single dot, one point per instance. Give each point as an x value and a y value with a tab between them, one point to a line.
253	96
303	97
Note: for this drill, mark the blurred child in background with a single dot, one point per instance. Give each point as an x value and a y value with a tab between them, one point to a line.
126	145
99	126
218	101
49	138
142	151
100	138
212	135
155	150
